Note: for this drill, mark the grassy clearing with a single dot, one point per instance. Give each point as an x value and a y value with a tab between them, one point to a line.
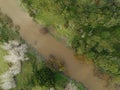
24	77
3	64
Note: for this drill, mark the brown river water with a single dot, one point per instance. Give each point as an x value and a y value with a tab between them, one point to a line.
47	45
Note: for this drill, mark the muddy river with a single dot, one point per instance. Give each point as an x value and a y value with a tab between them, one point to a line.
47	45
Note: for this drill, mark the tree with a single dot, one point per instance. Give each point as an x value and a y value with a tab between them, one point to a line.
46	77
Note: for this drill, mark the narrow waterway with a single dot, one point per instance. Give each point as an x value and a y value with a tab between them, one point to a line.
47	45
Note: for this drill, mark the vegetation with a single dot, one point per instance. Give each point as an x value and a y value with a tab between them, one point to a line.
35	74
91	27
27	79
6	26
2	62
46	77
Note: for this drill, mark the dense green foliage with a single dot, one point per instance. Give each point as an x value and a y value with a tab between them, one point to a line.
46	77
92	27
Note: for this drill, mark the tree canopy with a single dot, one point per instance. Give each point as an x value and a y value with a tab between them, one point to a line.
46	77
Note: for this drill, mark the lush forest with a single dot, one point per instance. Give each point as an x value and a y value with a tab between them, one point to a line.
90	27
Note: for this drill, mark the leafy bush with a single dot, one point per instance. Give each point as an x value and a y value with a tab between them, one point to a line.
45	77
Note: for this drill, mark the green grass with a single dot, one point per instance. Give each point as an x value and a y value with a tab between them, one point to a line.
61	80
24	77
3	64
48	18
25	80
39	88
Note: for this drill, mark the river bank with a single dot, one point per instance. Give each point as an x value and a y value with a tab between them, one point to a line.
47	45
